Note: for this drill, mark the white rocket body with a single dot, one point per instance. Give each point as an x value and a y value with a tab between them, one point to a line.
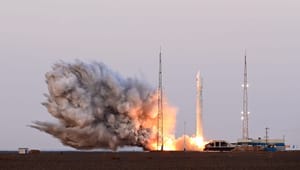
199	125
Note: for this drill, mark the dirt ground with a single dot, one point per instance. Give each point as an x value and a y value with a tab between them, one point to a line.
151	160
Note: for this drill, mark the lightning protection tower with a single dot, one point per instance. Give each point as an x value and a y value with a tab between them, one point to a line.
245	112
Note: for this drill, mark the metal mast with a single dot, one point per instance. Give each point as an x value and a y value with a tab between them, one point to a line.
267	136
160	116
184	136
245	112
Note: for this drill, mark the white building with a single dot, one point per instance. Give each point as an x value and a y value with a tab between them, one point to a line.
23	151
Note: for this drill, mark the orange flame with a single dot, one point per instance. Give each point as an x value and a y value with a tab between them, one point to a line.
194	143
182	143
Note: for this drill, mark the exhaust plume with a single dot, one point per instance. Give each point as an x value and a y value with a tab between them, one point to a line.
97	108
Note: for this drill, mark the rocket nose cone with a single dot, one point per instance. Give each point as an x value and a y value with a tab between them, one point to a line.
198	75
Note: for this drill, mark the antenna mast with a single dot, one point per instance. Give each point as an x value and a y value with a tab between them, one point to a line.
160	116
245	112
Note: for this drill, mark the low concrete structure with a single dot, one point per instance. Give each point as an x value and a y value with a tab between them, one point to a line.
218	145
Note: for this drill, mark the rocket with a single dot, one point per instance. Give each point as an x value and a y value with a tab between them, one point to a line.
199	125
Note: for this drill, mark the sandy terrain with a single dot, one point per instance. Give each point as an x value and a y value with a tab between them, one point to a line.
151	160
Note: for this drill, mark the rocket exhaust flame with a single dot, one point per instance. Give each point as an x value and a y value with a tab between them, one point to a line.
97	108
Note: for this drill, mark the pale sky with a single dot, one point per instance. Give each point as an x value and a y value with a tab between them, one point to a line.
205	35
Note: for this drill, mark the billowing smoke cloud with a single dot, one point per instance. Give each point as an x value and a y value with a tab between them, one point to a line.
97	108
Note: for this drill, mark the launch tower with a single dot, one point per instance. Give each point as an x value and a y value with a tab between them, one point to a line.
160	116
245	112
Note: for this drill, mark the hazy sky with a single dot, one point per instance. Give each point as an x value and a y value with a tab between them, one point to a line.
205	35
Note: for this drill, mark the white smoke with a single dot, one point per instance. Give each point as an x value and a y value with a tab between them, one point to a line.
96	108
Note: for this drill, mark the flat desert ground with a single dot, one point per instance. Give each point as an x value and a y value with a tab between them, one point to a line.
151	160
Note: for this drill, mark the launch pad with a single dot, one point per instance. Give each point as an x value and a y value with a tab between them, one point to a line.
150	160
